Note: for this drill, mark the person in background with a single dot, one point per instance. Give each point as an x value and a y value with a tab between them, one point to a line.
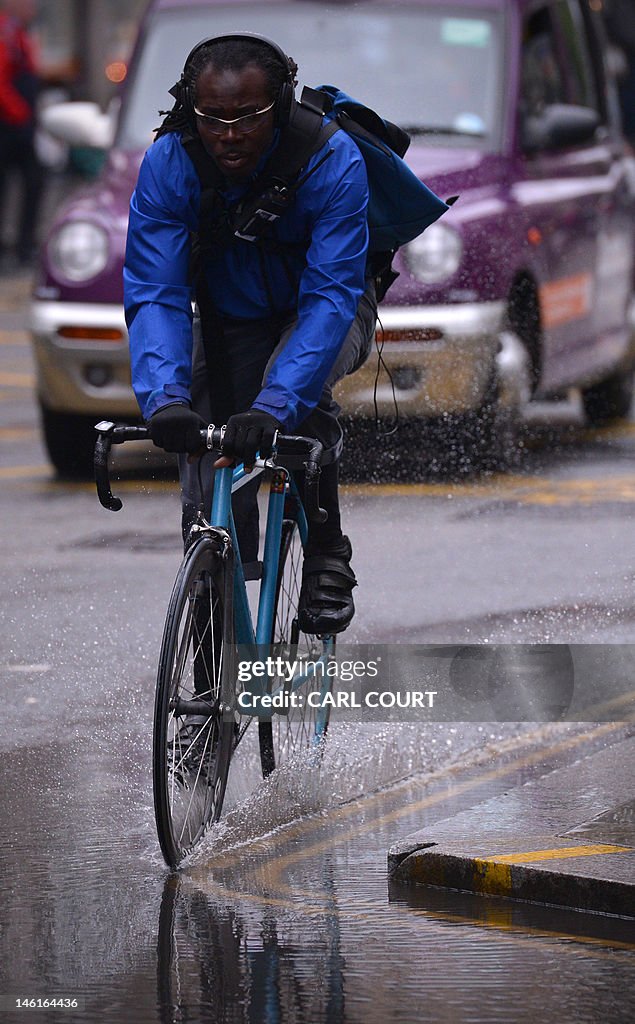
19	86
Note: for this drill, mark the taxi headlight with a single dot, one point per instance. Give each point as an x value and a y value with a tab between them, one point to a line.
435	255
78	250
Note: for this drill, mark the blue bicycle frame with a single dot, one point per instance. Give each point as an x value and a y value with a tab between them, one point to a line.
227	481
257	641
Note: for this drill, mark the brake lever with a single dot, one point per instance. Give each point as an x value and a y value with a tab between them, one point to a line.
109	433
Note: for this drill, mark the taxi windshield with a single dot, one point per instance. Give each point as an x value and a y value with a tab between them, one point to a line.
435	70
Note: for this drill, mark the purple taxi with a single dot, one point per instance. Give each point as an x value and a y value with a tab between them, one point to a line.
523	289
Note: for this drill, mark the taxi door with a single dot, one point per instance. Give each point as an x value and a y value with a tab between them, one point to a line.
571	200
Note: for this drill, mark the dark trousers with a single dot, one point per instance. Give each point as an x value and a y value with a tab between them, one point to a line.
18	156
239	356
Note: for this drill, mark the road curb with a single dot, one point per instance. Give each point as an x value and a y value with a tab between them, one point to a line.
561	840
501	875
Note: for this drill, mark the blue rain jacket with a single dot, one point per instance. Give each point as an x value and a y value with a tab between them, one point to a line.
326	242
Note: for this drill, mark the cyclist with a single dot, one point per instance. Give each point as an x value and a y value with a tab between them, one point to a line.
281	319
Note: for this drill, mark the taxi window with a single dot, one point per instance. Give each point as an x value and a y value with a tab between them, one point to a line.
577	65
436	69
542	82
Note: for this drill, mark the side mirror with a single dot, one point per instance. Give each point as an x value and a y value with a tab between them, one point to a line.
559	126
80	124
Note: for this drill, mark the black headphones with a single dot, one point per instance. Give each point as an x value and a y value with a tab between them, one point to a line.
183	91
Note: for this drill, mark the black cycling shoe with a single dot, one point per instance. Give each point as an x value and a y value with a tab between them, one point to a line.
326	600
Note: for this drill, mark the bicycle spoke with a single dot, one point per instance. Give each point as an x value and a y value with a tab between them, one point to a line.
302	729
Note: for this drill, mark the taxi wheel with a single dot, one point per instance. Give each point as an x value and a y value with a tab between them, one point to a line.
70	442
609	400
489	439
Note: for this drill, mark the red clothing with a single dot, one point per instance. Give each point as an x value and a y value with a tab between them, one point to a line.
17	70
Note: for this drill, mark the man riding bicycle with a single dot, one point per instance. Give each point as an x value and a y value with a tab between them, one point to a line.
282	315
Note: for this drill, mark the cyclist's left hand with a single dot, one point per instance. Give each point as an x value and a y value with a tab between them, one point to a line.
247	434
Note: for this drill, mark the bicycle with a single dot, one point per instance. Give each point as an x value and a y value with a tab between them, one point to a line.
205	697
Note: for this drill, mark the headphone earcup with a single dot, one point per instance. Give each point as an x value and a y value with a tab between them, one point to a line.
187	99
183	94
283	105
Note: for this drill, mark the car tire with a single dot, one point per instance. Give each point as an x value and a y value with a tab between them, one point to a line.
609	400
70	442
487	439
449	447
492	438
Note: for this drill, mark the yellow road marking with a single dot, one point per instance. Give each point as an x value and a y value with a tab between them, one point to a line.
524	490
495	484
563	853
40	474
294	897
18	472
558	493
616	431
270	873
624	700
17	337
16	433
17	380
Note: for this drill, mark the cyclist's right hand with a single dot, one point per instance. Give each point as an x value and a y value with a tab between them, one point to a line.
177	428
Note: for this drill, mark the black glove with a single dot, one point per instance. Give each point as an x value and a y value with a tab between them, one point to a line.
176	428
248	433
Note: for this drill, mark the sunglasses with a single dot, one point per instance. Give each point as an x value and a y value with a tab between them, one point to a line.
244	124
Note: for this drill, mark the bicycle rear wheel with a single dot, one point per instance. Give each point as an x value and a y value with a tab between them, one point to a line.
304	727
193	738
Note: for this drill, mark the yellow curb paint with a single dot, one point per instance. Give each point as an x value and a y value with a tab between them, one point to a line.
561	853
493	875
490	877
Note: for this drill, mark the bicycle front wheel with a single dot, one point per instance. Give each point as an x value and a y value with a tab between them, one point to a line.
303	725
193	734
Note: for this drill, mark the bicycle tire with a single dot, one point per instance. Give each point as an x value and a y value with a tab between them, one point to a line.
303	728
193	737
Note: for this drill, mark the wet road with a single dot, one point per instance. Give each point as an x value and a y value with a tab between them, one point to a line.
272	923
285	913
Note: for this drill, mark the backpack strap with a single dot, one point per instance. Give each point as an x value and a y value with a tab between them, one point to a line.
205	167
303	136
273	191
